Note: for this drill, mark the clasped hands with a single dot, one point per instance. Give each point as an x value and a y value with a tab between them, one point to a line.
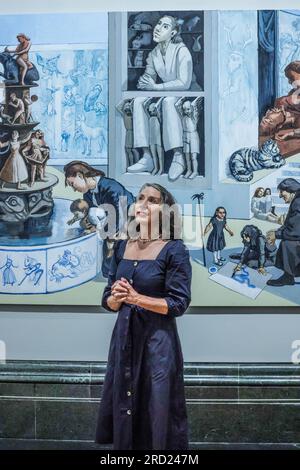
122	291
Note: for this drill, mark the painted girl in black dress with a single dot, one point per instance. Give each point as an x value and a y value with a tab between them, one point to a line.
216	239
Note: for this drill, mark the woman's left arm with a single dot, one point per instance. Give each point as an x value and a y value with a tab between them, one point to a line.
155	304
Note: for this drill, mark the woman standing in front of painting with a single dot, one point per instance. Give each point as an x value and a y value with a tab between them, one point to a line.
143	402
171	61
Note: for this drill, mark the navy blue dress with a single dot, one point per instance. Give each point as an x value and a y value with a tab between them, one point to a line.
143	401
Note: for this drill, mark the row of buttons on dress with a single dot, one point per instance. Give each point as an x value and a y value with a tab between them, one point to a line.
128	391
129	394
131	282
134	264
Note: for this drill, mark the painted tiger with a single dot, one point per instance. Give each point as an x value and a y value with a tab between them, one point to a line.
245	161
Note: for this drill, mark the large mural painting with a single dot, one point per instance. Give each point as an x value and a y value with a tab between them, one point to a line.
205	103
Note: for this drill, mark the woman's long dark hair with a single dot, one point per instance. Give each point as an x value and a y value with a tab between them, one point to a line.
172	218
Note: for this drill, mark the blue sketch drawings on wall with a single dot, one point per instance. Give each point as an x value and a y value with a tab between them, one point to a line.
8	275
80	68
73	101
71	98
96	63
49	66
49	102
86	135
238	68
87	260
33	271
65	267
71	264
288	46
244	277
236	94
65	137
92	101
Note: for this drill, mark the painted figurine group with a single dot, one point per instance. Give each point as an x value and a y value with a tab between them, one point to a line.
25	149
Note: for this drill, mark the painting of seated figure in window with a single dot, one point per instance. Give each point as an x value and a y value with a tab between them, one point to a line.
164	135
165	51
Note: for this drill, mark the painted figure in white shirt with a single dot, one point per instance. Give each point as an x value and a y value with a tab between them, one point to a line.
171	62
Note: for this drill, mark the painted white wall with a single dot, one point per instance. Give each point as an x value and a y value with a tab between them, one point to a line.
204	338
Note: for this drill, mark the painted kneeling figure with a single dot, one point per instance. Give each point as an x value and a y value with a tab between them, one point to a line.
257	253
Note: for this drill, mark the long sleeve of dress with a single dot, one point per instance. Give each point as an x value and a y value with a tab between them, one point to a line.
178	281
111	277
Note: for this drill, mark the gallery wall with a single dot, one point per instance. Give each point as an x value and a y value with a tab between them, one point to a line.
67	336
